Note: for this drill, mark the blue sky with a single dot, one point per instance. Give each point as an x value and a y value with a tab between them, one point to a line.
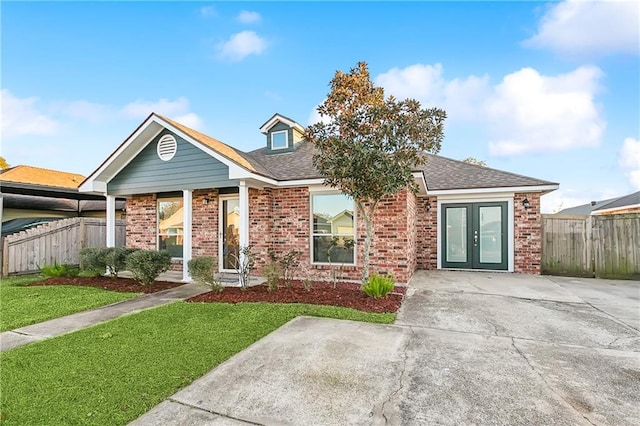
549	90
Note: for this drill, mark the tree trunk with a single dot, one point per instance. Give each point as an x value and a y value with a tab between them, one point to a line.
368	222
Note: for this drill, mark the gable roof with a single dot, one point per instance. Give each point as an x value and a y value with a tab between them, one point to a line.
440	173
40	176
275	118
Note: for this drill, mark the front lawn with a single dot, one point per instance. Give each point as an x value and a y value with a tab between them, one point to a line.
24	304
114	372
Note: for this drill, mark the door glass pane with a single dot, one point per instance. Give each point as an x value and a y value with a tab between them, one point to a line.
230	233
456	221
490	234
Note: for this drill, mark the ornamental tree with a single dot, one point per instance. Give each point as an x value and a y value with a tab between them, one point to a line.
368	146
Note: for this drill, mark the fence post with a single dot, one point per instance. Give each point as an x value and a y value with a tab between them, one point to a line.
5	257
590	258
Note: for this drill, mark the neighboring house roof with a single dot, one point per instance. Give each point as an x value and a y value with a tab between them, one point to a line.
631	201
440	173
39	176
31	202
595	207
585	209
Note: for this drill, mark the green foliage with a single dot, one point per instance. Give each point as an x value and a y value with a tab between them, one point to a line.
116	259
3	164
25	303
202	269
93	260
473	160
59	270
368	146
151	355
378	286
147	265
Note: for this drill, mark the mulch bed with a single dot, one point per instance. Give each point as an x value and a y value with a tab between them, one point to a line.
346	295
123	285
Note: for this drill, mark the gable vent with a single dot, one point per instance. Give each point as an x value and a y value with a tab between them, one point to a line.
167	147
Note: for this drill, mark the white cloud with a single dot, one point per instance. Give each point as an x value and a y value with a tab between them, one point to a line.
589	27
24	116
630	160
247	17
241	45
526	112
529	112
426	83
178	110
208	12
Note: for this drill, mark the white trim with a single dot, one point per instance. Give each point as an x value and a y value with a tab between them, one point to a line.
279	118
243	203
166	141
221	198
286	140
493	198
111	221
512	189
158	200
422	183
187	231
331	191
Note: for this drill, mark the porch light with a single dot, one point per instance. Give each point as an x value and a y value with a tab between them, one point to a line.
526	204
205	201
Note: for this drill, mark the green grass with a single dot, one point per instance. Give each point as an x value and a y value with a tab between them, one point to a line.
24	305
114	372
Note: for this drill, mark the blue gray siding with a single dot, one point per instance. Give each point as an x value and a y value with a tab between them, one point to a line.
190	168
277	128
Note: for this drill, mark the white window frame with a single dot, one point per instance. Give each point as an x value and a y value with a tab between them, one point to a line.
312	234
286	140
158	234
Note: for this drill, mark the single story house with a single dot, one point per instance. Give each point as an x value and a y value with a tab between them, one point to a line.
464	217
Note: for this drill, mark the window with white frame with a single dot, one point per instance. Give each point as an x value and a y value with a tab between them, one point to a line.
170	226
280	140
333	229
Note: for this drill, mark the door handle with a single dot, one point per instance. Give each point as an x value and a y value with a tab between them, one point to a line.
475	238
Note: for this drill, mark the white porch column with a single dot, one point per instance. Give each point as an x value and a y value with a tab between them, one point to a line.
111	221
187	219
243	203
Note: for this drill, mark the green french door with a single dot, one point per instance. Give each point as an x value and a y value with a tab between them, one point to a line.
474	236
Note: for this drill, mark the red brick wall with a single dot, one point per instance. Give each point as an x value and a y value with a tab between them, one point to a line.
260	224
527	234
427	233
205	223
141	222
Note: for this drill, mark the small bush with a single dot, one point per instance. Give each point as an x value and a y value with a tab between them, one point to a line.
93	261
288	264
378	286
116	259
271	272
59	270
147	265
202	270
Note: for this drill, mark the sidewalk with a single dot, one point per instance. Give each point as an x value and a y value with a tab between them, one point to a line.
58	326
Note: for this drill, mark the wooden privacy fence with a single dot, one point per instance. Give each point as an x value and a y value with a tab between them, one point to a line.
604	246
58	241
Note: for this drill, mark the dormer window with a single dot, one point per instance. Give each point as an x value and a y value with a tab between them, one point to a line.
280	140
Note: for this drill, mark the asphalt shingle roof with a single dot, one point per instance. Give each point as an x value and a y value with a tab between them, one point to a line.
39	176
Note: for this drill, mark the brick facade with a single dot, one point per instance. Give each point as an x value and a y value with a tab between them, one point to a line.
427	233
405	228
527	234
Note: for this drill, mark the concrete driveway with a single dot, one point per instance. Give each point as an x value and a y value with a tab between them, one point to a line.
467	348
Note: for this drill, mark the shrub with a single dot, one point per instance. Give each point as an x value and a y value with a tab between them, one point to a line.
147	265
93	260
271	272
245	262
59	270
288	264
378	286
202	270
115	259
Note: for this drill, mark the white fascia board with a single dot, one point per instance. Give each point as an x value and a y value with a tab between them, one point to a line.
269	124
422	183
511	189
93	186
301	182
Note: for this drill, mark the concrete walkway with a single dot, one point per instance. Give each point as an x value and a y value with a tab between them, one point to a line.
58	326
467	348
